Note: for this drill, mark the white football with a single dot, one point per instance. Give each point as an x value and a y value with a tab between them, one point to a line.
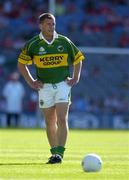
91	163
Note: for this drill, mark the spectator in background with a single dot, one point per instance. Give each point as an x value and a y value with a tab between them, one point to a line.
32	105
124	40
13	93
60	8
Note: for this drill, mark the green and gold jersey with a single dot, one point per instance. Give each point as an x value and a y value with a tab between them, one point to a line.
51	61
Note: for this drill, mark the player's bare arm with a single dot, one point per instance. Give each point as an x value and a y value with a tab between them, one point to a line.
35	84
76	74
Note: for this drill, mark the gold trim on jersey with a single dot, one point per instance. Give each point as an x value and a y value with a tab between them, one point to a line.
22	61
25	59
79	57
51	60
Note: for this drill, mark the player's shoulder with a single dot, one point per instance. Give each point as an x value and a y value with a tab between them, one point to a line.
33	40
65	38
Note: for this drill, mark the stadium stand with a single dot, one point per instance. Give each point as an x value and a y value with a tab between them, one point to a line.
87	23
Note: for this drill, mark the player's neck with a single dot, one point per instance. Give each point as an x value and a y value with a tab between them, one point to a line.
49	38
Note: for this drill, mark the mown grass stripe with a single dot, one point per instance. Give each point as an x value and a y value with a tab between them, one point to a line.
23	154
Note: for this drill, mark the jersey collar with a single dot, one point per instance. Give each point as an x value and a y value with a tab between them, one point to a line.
54	37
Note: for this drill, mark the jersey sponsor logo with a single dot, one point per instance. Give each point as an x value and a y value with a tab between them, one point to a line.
51	60
60	48
41	51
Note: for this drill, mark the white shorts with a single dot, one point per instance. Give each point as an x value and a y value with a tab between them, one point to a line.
51	94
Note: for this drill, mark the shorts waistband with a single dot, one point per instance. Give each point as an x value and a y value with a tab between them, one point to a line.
53	84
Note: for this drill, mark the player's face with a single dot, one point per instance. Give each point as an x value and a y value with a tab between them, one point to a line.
47	27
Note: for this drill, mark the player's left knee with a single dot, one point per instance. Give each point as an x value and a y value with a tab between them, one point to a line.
62	121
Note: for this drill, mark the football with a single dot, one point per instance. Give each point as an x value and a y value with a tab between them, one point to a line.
91	163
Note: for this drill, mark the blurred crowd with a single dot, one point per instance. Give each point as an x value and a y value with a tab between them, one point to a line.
100	23
17	98
18	19
111	104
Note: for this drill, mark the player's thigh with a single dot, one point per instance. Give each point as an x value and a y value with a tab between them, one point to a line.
49	114
62	110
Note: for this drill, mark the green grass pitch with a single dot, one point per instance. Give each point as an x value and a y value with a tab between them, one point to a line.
23	154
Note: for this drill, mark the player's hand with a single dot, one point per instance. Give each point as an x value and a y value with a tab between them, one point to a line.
71	81
37	85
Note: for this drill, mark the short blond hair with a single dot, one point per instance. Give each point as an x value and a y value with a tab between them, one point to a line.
44	16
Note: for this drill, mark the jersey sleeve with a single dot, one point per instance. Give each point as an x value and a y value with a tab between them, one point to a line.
25	56
76	54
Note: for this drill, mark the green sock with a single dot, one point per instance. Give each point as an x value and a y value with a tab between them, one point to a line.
53	150
60	150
